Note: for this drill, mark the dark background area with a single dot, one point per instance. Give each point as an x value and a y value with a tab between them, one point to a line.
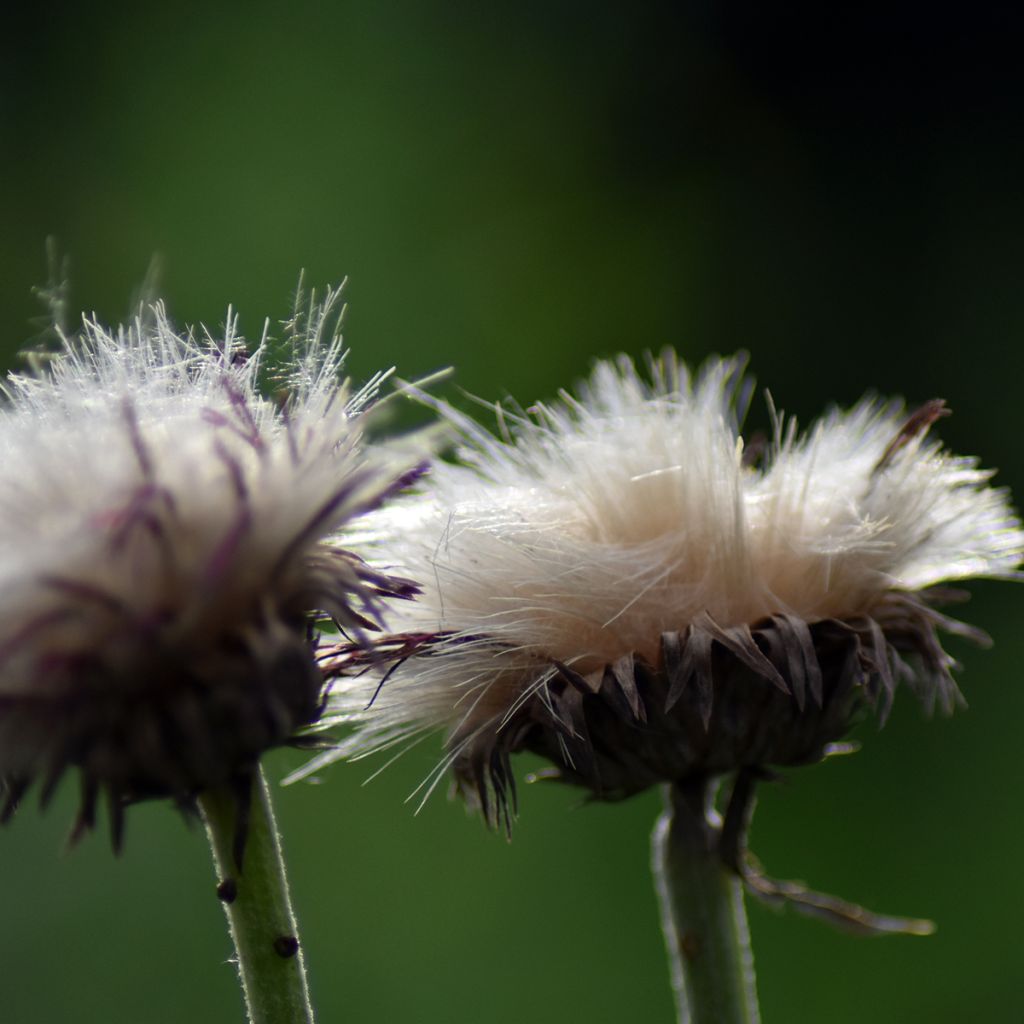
513	191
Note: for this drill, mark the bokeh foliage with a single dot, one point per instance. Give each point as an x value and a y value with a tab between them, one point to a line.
513	190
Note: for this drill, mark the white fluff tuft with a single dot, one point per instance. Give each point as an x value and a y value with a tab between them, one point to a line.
591	526
148	481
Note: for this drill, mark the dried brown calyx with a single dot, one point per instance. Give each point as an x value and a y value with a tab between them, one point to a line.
719	699
140	718
773	694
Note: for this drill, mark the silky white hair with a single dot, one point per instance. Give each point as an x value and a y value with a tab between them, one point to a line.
587	528
147	415
164	536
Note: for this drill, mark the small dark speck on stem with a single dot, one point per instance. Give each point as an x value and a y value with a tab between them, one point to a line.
689	945
227	890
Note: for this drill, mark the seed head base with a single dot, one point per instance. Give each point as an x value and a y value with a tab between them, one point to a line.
776	693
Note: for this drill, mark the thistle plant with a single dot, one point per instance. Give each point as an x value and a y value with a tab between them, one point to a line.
166	565
619	583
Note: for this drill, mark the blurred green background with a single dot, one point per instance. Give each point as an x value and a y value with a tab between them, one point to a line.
514	190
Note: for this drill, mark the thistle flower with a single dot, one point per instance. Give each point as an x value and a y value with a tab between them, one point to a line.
163	545
615	583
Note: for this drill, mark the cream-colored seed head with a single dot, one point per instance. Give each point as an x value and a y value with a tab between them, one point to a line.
588	529
163	539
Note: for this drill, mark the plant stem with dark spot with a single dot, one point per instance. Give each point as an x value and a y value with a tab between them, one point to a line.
258	907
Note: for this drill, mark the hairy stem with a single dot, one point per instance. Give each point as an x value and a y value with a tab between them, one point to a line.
702	913
257	904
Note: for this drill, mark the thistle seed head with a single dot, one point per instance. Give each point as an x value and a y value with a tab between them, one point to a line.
612	582
166	545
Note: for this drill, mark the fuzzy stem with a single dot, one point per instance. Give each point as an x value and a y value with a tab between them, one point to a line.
702	913
258	907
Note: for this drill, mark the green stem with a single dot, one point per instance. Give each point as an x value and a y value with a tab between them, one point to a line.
702	913
258	907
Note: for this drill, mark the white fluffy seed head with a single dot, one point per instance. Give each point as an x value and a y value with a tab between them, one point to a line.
163	538
587	529
599	522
